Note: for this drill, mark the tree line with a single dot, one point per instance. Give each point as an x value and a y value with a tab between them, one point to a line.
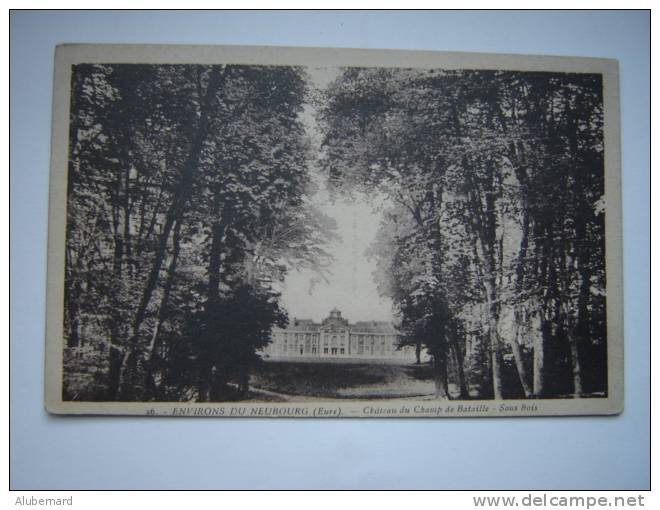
188	198
492	247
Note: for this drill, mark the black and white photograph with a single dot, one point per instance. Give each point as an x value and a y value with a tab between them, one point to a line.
326	233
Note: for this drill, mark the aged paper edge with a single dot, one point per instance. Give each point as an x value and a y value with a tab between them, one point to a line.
70	54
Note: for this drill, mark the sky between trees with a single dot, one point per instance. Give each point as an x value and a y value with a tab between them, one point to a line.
349	285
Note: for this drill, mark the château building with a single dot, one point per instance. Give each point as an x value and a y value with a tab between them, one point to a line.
335	337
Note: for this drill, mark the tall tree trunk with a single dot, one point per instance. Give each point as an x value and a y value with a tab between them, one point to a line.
115	361
244	383
212	303
72	291
492	311
569	319
487	277
77	82
156	338
544	233
523	374
460	370
495	362
518	158
217	232
538	364
204	384
72	283
579	230
174	214
518	358
440	376
127	215
483	221
575	365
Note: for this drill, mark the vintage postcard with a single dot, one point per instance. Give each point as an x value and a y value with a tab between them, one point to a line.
299	232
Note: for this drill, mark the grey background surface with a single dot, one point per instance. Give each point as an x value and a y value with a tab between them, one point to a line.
50	452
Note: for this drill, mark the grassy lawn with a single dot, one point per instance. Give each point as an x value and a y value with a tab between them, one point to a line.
343	380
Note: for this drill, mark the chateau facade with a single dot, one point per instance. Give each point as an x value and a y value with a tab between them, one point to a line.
335	337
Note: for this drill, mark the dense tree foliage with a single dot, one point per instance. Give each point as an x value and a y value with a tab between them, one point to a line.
493	246
188	199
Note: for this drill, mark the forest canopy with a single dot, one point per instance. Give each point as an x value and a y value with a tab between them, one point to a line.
188	197
493	246
191	196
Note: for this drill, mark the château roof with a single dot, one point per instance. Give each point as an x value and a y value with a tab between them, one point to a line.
302	325
369	327
373	327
